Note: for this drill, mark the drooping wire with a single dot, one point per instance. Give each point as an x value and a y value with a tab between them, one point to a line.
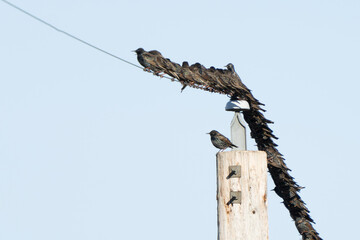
69	35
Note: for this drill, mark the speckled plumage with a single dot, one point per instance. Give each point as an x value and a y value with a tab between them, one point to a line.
220	141
149	60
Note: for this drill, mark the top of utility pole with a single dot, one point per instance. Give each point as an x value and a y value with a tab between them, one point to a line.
238	129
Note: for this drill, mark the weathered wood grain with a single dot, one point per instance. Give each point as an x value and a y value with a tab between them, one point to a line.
249	219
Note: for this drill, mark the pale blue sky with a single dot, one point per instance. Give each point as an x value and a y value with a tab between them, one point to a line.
93	148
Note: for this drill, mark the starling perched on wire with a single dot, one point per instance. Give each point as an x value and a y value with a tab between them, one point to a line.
246	92
149	60
235	80
220	141
140	58
186	76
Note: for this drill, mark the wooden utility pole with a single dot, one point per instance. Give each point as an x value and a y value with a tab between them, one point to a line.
241	187
242	195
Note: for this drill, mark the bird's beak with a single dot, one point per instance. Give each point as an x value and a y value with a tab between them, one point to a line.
207	133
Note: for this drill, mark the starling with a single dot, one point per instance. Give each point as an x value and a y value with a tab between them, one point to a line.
230	67
235	80
220	141
171	68
246	92
186	77
149	60
212	76
197	71
140	57
197	67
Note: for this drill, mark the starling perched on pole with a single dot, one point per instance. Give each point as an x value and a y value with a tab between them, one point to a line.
220	141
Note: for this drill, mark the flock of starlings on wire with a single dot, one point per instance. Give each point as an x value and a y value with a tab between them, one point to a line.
226	81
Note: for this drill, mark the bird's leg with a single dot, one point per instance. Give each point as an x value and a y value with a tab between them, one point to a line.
157	73
147	69
184	86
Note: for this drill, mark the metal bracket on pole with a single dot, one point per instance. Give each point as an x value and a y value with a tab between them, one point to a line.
238	129
235	198
234	172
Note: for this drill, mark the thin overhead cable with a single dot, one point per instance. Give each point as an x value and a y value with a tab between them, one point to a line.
68	34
